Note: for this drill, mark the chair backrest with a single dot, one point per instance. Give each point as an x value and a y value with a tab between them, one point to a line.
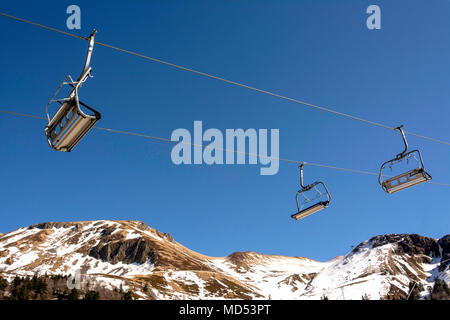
69	125
405	180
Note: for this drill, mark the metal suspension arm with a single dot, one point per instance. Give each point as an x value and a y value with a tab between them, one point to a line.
400	155
87	69
301	175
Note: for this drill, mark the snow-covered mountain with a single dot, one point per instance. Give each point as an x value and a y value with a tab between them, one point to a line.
133	256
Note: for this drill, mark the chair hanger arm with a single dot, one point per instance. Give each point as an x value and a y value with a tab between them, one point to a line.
87	69
301	175
400	155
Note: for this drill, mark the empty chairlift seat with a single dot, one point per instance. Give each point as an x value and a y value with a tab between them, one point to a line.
69	125
311	198
407	179
74	119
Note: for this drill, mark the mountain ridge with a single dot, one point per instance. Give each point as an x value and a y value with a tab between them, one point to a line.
130	254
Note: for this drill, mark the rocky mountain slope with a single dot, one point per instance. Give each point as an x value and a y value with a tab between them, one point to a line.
132	256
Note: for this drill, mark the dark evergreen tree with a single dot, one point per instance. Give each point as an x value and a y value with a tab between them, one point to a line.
128	295
92	295
440	291
3	284
74	294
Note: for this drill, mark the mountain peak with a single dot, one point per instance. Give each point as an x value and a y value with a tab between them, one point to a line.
407	244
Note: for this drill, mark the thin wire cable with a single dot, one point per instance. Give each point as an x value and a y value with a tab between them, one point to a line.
135	134
230	81
22	115
42	26
223	149
341	169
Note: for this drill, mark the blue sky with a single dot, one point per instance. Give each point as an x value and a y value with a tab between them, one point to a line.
316	51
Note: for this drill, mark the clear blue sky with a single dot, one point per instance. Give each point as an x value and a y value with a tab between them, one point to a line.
317	51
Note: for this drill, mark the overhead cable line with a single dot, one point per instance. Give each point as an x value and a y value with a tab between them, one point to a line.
230	81
222	149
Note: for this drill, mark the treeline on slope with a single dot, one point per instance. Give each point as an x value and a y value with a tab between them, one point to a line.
54	287
439	291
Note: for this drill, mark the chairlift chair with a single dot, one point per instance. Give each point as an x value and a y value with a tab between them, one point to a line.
71	123
407	179
309	205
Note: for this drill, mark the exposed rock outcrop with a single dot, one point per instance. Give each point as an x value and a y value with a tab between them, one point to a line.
127	251
57	225
409	243
444	245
